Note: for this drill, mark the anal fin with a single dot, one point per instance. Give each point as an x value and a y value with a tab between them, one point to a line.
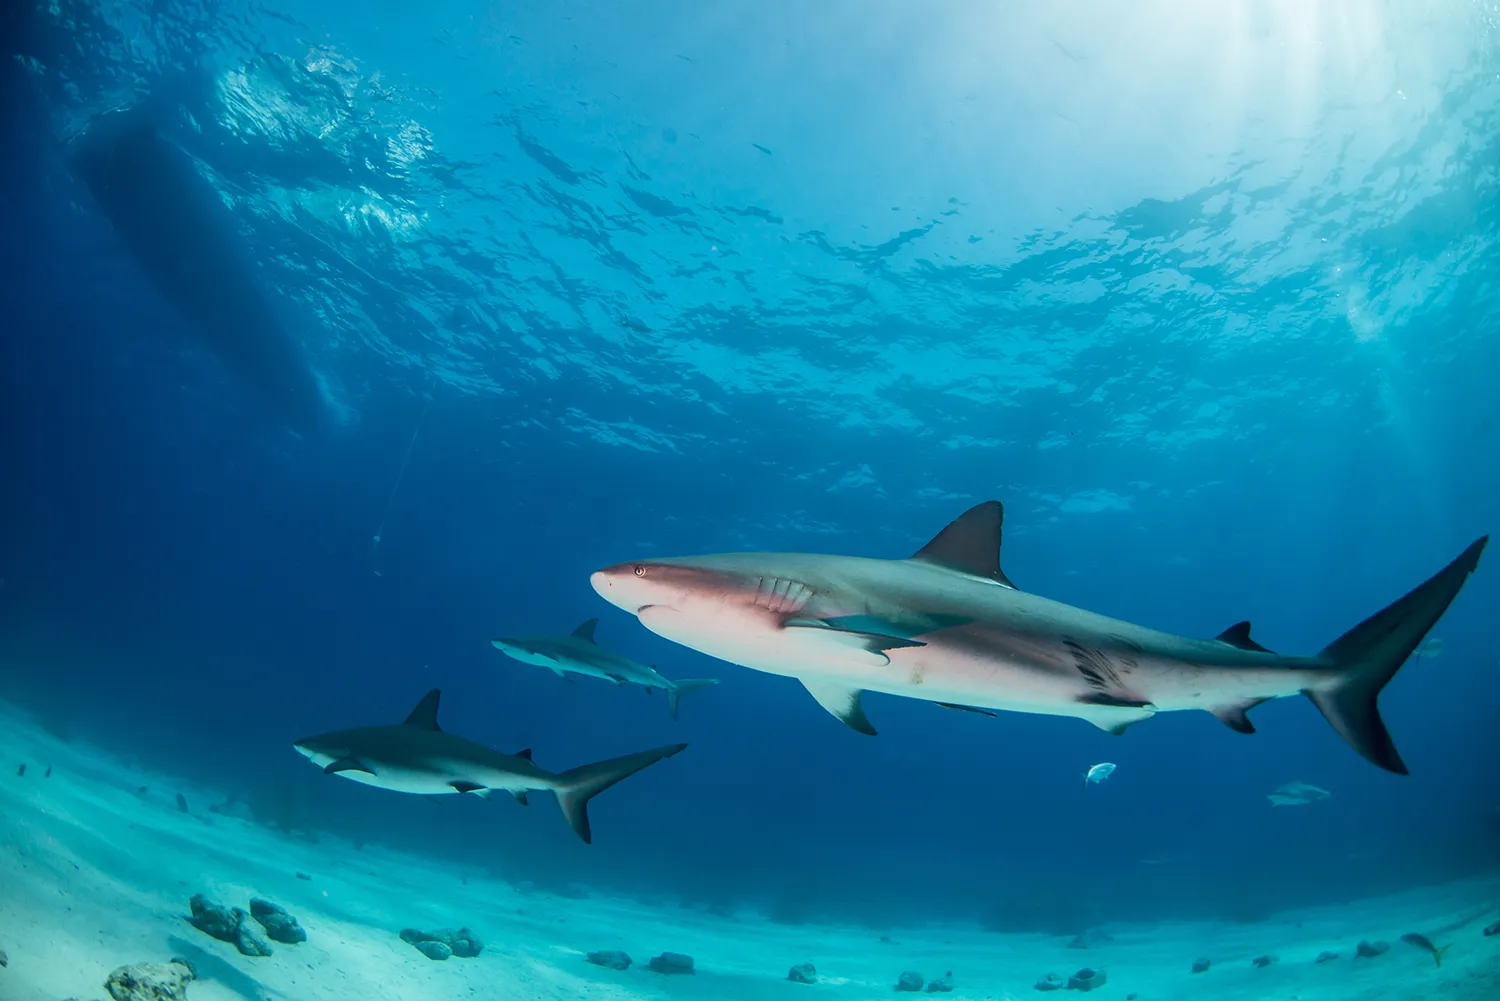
842	701
1233	716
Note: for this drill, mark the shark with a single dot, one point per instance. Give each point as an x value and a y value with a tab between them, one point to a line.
947	625
579	653
417	756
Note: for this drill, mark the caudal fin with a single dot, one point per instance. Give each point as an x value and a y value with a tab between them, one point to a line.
576	786
677	689
1369	655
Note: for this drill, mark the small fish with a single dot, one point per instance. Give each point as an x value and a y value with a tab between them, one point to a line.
1098	773
1423	942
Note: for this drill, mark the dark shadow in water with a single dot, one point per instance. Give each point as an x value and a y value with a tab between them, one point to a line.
220	970
174	224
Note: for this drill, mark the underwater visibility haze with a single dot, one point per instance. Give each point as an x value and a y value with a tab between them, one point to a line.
916	405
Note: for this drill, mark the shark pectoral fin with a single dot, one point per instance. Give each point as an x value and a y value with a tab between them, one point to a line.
461	786
347	764
907	626
967	709
863	648
1238	636
1233	716
843	701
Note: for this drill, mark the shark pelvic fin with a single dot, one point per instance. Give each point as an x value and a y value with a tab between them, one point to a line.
585	631
843	702
1118	724
425	715
970	544
1234	716
864	648
464	787
1238	636
347	764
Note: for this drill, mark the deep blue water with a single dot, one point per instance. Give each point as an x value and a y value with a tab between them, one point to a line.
1208	301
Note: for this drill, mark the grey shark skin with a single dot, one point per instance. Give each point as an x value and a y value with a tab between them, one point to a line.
948	626
579	653
418	757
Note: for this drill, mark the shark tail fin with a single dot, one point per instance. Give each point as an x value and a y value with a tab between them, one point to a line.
1366	657
678	689
576	786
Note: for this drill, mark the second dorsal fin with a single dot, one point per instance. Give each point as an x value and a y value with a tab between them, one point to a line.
586	630
970	544
1238	635
425	715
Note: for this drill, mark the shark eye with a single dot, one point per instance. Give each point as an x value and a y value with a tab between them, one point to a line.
640	571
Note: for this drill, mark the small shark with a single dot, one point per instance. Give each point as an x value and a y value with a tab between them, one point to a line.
579	653
948	626
418	757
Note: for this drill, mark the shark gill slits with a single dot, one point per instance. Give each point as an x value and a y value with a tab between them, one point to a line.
781	594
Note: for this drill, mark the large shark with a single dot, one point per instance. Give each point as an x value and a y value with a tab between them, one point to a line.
948	626
579	653
418	757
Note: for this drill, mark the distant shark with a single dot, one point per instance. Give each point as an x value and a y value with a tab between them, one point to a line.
949	627
579	653
418	757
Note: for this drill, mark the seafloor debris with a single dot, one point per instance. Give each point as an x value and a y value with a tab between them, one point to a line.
1369	950
1326	957
942	985
279	925
1261	962
671	962
4	959
182	803
227	924
1201	965
150	982
1087	979
803	973
614	959
1493	929
1051	982
21	772
910	980
462	943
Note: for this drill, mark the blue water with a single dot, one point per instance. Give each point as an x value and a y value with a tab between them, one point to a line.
1207	297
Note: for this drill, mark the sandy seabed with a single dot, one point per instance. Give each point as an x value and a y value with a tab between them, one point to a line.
94	876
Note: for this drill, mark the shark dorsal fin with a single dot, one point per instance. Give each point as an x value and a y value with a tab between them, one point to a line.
585	632
1238	635
970	544
524	753
425	715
